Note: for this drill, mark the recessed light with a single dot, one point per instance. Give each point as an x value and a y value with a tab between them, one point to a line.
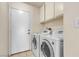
21	12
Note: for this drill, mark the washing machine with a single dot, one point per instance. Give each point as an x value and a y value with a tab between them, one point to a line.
35	44
51	46
58	37
46	49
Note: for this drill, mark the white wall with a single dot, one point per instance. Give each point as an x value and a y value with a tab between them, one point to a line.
71	34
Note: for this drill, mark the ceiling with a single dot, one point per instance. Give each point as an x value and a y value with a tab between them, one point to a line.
36	4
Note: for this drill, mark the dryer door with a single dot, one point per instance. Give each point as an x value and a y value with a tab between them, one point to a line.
46	48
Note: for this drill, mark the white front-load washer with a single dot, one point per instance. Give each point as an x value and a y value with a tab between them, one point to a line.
58	37
46	49
51	45
58	46
35	44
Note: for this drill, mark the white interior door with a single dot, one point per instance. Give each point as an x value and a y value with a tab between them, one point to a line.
20	30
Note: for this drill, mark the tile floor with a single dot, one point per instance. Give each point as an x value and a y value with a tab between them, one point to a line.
23	54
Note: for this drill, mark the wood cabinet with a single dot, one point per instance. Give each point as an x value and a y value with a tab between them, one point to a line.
42	13
49	10
58	8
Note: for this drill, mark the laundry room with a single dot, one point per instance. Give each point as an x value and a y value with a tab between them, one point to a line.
26	23
39	29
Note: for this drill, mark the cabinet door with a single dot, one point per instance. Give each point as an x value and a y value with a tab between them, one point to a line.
58	8
42	13
49	10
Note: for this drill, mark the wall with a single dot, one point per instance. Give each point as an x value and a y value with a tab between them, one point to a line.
36	26
4	29
71	34
54	24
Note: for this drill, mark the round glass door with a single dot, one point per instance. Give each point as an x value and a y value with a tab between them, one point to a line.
47	49
34	42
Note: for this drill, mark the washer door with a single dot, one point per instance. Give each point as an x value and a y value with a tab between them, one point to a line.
34	42
47	49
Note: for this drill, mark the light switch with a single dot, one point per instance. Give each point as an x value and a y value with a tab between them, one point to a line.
76	23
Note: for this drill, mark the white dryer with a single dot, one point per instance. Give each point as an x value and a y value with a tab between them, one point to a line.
35	44
51	46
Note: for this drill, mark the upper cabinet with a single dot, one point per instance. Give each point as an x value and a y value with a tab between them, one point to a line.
58	9
49	10
42	13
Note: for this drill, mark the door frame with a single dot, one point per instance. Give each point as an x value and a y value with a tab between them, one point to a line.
10	28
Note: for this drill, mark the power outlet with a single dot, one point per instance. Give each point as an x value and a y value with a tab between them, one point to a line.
76	23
